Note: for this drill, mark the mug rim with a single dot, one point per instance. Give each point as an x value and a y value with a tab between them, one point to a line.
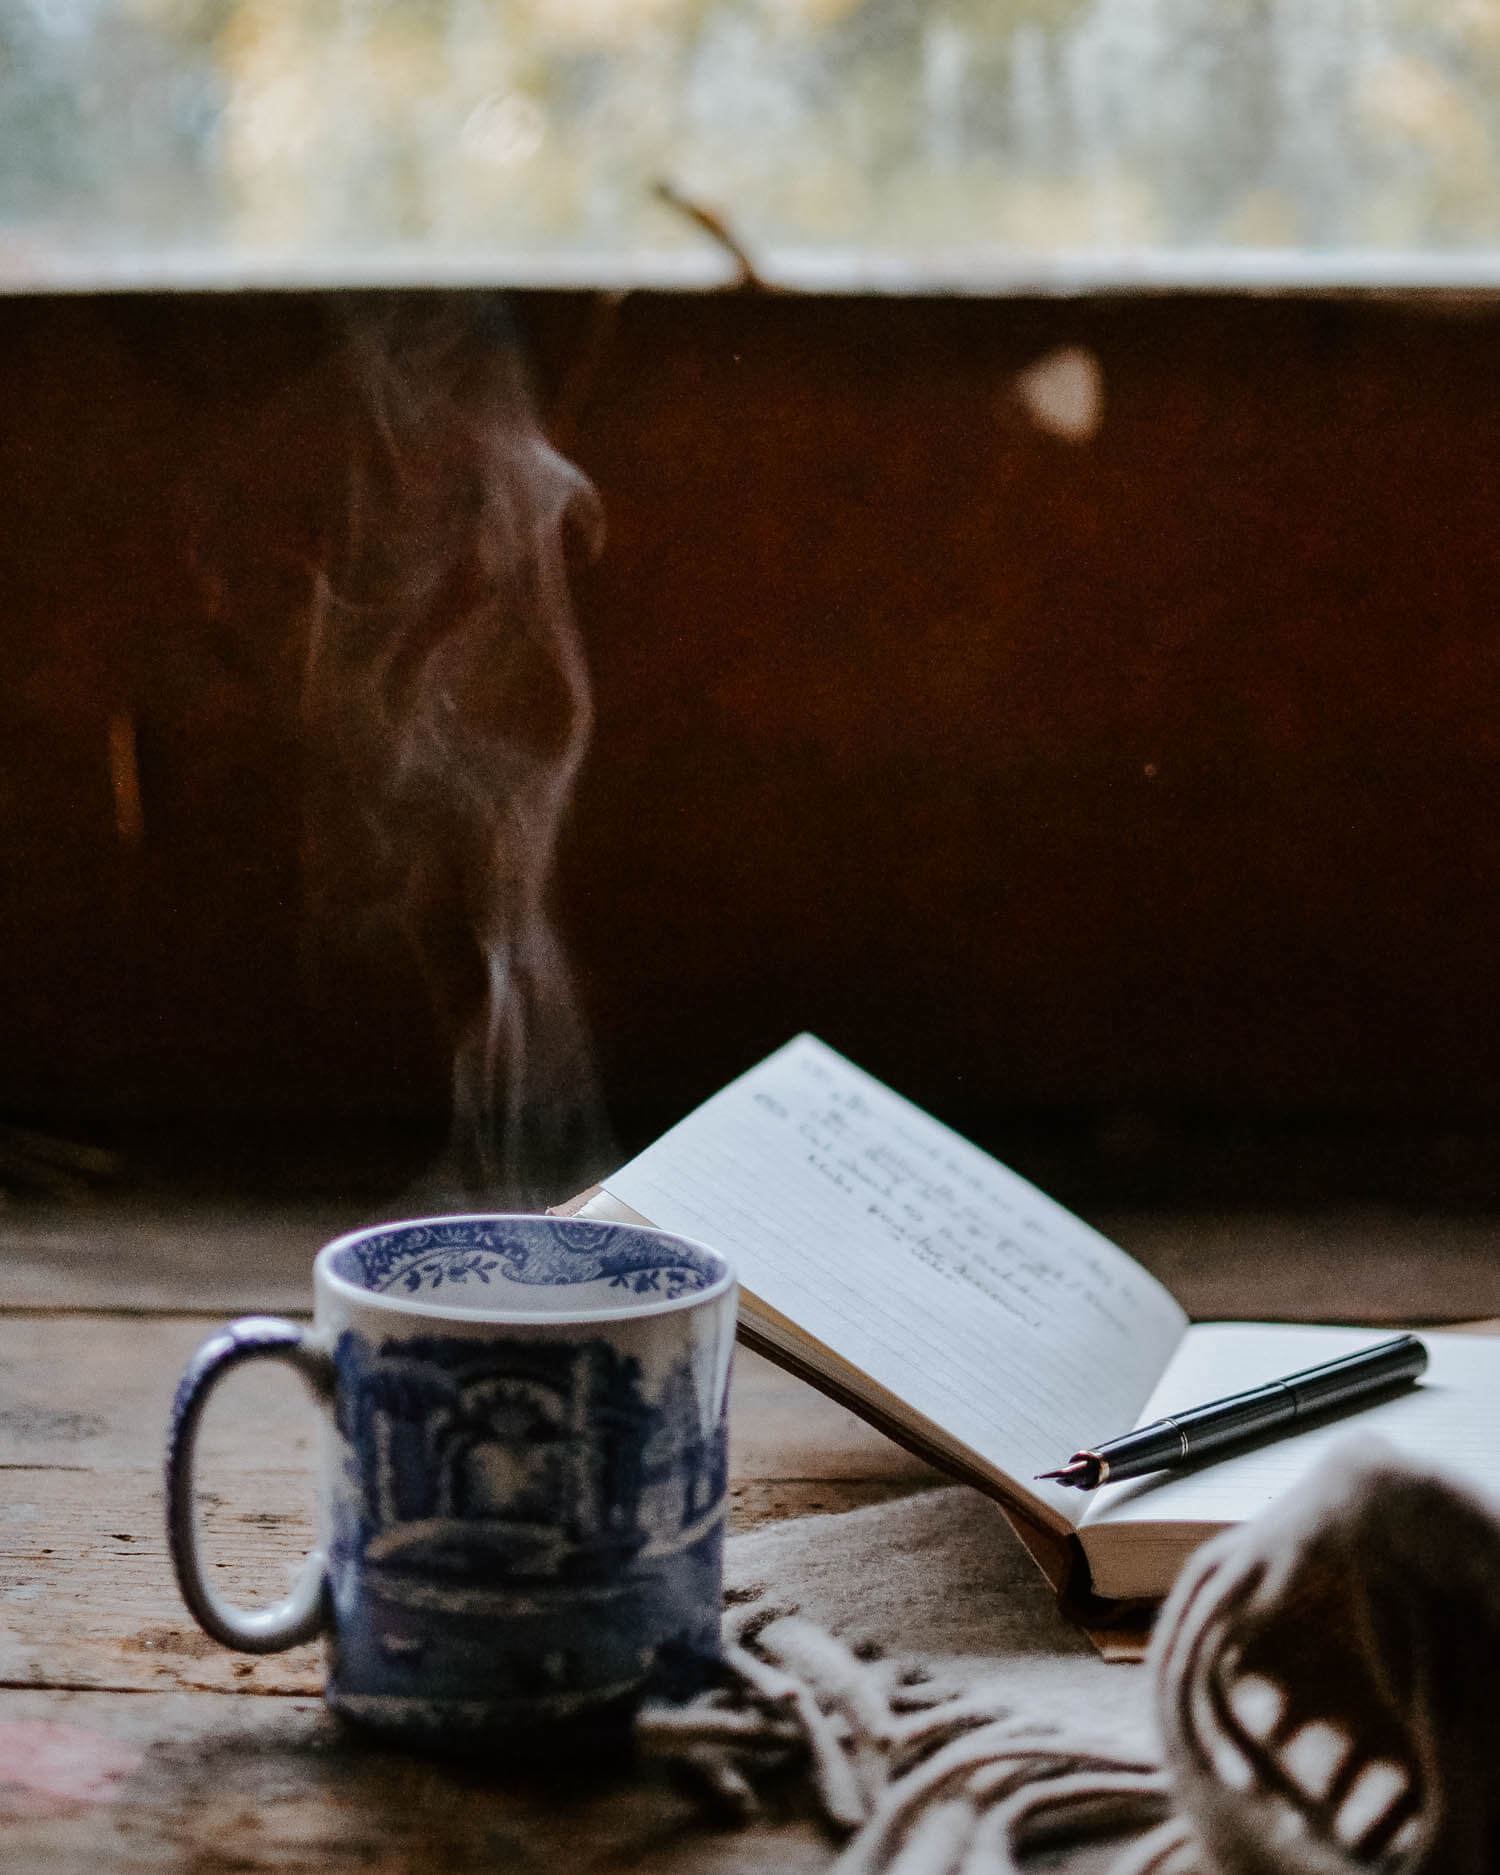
324	1273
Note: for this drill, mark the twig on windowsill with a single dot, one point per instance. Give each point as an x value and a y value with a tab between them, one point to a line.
714	225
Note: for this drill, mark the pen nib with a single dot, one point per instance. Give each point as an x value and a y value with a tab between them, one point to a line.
1083	1473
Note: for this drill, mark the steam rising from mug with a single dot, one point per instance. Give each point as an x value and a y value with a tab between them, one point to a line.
445	691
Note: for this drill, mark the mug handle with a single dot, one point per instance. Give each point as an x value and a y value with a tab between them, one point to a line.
303	1614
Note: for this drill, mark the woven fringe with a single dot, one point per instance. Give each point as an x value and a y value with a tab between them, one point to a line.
921	1776
1327	1684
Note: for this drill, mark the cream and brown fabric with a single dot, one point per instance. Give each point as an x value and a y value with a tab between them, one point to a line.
1323	1694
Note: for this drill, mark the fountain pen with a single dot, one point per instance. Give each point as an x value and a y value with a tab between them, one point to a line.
1204	1430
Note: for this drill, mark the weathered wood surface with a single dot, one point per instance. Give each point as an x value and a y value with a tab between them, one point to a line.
85	1585
136	1256
98	1784
130	1742
1377	1266
1371	1266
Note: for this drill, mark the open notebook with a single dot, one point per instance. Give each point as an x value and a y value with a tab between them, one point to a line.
903	1270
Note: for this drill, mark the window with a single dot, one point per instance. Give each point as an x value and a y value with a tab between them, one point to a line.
846	144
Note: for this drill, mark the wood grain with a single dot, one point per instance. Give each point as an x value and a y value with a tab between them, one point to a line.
131	1742
134	1256
85	1584
93	1391
230	1786
1368	1265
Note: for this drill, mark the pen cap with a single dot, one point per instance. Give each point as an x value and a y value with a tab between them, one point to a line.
1387	1364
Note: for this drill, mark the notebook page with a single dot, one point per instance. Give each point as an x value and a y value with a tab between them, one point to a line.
1451	1418
917	1258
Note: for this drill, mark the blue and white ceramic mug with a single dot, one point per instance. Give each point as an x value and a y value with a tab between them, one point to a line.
525	1478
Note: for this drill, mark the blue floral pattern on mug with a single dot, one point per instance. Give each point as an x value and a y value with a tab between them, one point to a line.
419	1259
518	1485
526	1483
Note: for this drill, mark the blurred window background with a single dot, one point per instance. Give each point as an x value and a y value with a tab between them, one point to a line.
967	145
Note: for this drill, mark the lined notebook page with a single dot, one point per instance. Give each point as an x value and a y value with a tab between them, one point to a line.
1451	1418
945	1278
